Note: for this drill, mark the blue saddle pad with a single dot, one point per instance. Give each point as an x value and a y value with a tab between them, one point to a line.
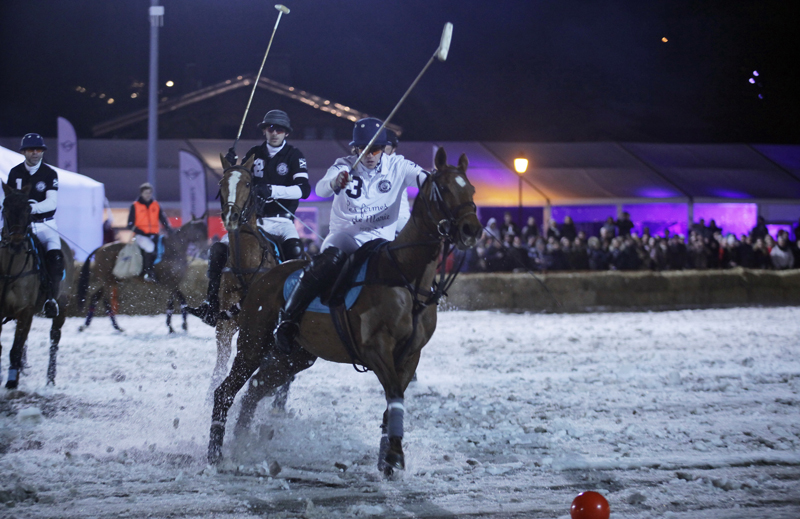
316	305
159	249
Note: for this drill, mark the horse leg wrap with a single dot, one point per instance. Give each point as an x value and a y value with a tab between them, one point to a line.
396	412
13	375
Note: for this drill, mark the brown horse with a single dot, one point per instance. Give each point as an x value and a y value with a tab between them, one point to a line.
20	283
250	254
390	322
98	281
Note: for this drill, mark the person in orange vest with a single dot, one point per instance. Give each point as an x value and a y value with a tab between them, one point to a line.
145	219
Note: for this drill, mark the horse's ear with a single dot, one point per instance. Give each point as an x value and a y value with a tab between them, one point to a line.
440	161
7	190
203	216
26	189
463	162
248	165
225	163
193	216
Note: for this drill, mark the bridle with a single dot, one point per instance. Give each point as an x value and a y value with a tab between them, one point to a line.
244	211
450	223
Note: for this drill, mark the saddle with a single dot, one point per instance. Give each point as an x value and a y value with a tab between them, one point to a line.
348	284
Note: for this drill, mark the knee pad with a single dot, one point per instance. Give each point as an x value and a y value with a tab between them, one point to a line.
327	264
292	249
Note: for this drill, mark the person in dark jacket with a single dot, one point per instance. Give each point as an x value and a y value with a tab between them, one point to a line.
280	181
42	182
145	219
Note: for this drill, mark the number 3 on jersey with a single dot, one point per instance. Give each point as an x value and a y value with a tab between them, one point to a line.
357	184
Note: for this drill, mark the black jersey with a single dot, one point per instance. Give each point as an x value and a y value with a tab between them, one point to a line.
286	168
45	179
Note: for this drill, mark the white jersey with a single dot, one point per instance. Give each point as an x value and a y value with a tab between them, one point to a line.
368	207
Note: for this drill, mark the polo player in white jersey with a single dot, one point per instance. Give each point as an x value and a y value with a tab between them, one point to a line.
366	204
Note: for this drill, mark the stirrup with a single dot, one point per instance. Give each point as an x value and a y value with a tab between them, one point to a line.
50	308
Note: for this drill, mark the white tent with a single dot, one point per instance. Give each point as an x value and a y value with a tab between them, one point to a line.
80	206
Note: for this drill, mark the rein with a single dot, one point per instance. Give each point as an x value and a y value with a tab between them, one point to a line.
237	269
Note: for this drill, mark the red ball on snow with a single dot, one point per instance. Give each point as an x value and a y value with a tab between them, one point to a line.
589	505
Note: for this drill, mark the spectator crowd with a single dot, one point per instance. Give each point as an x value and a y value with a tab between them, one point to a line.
505	247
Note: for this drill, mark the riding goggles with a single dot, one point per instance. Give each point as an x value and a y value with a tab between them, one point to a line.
274	128
374	150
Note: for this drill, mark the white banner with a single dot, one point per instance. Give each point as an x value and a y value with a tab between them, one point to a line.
193	186
67	146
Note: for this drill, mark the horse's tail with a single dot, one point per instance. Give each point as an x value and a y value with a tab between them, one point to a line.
83	280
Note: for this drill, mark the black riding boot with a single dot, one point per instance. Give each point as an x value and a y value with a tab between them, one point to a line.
317	276
54	264
292	249
209	310
148	266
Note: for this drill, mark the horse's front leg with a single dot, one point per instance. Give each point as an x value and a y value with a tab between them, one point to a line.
244	365
277	370
55	338
170	311
184	311
20	336
224	332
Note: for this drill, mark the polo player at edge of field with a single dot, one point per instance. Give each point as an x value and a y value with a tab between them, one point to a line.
42	182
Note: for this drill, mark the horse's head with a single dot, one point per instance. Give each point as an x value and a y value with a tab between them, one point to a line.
16	213
235	190
448	197
195	230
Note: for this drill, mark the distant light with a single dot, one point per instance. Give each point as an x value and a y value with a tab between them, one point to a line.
752	81
102	96
755	73
134	95
170	84
110	101
760	96
664	39
521	165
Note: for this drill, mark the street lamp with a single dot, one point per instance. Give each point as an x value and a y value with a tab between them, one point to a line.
521	166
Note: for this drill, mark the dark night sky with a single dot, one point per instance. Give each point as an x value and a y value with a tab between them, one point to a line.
538	70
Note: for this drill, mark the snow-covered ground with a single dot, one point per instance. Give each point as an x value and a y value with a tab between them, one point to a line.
669	415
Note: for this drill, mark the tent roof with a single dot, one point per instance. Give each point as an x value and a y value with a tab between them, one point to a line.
563	173
9	159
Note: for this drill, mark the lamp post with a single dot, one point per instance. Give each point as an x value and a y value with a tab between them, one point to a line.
521	166
156	21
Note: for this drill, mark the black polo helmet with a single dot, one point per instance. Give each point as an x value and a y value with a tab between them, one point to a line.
365	129
32	140
277	117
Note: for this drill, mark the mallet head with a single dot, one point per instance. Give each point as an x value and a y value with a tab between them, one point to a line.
282	8
444	44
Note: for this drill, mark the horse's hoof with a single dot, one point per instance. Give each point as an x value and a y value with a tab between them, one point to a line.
50	382
171	331
81	328
395	460
185	327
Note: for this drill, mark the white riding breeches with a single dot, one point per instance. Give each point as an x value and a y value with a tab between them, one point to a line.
47	232
344	242
145	243
279	227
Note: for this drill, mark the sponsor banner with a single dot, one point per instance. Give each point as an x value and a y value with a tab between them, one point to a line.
67	146
193	186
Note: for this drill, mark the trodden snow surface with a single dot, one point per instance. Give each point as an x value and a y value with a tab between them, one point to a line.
687	414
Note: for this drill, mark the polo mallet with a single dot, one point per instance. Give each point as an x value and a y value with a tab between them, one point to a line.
441	55
282	9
